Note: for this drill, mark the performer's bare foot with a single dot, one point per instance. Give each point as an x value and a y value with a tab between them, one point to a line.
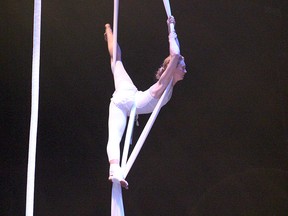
116	175
122	182
108	30
108	37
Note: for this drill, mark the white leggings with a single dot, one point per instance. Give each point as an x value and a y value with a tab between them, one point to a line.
125	95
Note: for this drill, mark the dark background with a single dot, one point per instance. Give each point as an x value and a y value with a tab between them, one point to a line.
219	147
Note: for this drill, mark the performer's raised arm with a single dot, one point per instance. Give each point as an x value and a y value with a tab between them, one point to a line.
173	66
174	45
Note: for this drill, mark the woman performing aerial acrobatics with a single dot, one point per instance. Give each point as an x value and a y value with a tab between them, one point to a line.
126	95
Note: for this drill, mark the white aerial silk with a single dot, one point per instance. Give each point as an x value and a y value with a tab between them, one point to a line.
34	109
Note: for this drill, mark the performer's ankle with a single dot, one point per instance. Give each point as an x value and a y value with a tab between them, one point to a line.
114	161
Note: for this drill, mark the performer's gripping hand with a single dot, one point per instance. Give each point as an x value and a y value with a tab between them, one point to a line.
171	24
173	40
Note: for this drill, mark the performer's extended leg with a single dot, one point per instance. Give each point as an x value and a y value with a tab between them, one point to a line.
116	126
121	77
117	116
109	38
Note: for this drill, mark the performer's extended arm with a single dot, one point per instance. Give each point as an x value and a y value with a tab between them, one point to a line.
165	78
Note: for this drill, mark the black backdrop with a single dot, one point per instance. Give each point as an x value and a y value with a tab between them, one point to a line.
219	147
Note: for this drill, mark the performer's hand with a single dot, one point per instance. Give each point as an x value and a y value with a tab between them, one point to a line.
171	24
171	20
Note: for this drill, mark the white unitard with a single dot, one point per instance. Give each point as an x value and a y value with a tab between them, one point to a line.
125	95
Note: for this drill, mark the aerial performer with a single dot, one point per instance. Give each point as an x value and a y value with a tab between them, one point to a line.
127	95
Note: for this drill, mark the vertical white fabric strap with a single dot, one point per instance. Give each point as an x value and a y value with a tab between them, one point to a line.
115	32
167	7
34	110
168	12
117	207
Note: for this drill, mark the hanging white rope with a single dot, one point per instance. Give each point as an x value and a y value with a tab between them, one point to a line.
117	207
34	109
167	7
115	32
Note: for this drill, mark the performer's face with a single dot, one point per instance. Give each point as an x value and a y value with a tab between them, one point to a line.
181	68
